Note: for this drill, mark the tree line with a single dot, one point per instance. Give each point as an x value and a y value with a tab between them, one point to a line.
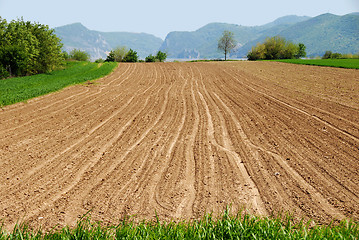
27	48
272	48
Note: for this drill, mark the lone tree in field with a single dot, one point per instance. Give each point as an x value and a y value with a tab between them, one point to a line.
226	43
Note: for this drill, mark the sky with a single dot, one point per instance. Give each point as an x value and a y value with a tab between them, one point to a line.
159	17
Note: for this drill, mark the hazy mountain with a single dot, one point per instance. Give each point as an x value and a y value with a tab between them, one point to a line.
319	34
326	32
202	43
98	44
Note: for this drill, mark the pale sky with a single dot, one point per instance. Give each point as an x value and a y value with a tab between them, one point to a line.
160	17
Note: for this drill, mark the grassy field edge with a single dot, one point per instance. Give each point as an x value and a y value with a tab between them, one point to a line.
339	63
18	89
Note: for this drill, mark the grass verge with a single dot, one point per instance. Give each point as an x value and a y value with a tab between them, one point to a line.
340	63
13	90
241	226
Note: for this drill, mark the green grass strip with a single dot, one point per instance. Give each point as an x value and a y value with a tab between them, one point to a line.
13	90
226	227
340	63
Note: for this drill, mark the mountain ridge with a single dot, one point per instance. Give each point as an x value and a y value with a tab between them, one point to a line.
319	34
98	43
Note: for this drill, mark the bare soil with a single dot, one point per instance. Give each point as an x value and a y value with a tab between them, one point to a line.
182	140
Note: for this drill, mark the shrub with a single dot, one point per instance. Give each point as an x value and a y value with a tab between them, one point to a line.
276	48
110	57
79	55
119	53
336	56
150	58
3	72
327	55
301	51
28	48
131	56
161	56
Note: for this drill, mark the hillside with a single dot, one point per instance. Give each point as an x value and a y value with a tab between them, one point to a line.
327	32
202	43
97	44
319	34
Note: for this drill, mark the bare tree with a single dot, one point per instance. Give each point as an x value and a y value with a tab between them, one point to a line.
226	43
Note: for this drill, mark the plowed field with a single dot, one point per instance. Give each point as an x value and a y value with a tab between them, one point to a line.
182	139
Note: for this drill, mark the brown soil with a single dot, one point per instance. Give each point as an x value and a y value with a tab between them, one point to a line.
182	139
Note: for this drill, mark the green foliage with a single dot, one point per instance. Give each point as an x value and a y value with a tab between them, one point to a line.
226	43
327	55
161	56
227	226
341	63
301	51
65	55
131	56
79	55
28	48
110	57
276	48
18	89
150	58
117	55
331	55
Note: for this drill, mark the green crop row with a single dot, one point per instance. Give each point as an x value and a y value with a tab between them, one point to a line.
18	89
341	63
241	226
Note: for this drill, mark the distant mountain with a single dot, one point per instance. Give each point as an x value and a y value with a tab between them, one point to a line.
286	20
326	32
202	43
98	44
319	34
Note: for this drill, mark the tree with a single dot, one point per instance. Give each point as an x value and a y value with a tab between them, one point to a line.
150	58
257	52
110	57
301	51
28	48
161	56
79	55
120	53
131	56
327	55
276	48
226	43
117	55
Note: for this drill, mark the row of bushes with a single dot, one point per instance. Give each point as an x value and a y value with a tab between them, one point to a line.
121	54
276	48
28	48
331	55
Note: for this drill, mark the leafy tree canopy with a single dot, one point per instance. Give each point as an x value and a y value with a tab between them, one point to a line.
161	56
28	48
79	55
276	48
226	43
131	56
